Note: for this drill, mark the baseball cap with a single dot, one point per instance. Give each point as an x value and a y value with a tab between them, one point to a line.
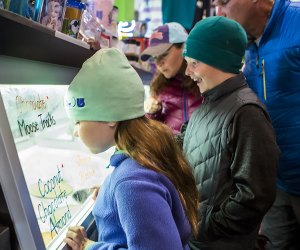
162	38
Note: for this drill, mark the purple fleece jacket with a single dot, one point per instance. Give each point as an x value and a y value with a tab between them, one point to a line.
138	208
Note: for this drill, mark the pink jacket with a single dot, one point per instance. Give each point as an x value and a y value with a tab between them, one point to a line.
177	105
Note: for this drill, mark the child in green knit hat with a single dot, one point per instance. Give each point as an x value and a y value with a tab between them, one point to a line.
229	140
150	199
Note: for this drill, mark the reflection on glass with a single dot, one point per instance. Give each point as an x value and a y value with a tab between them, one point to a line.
58	169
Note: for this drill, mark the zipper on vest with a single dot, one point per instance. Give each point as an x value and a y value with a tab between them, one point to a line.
264	78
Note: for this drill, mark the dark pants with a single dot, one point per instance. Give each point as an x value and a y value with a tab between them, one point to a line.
282	223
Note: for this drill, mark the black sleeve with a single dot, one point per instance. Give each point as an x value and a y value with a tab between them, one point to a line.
255	156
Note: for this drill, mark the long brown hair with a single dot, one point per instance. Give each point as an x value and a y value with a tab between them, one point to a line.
153	145
159	81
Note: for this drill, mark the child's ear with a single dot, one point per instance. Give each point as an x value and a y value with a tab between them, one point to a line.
112	124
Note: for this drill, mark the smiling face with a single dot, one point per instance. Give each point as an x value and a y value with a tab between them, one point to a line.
199	72
97	136
206	76
170	62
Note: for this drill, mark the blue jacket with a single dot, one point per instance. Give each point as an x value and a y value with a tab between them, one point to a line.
273	71
139	209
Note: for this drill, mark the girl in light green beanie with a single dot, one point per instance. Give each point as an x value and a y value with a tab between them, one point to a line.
150	199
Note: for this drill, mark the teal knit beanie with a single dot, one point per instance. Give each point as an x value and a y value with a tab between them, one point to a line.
106	88
219	42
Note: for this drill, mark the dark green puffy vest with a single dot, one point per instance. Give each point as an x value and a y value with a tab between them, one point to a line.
205	142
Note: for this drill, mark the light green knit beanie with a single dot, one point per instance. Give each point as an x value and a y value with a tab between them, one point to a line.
219	42
106	88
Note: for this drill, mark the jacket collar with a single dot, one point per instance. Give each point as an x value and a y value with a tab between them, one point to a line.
278	8
226	87
117	158
176	79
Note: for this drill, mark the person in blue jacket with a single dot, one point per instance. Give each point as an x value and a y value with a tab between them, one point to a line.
149	202
272	69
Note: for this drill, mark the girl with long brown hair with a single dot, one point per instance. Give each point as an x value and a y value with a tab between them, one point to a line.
150	200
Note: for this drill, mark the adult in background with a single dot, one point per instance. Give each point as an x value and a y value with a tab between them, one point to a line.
173	95
273	71
229	141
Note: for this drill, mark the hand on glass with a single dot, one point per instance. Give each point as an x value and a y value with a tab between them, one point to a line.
152	105
76	238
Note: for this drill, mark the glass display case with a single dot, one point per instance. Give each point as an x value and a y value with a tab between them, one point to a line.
58	170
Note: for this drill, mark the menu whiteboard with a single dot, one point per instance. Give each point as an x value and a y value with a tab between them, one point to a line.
59	171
